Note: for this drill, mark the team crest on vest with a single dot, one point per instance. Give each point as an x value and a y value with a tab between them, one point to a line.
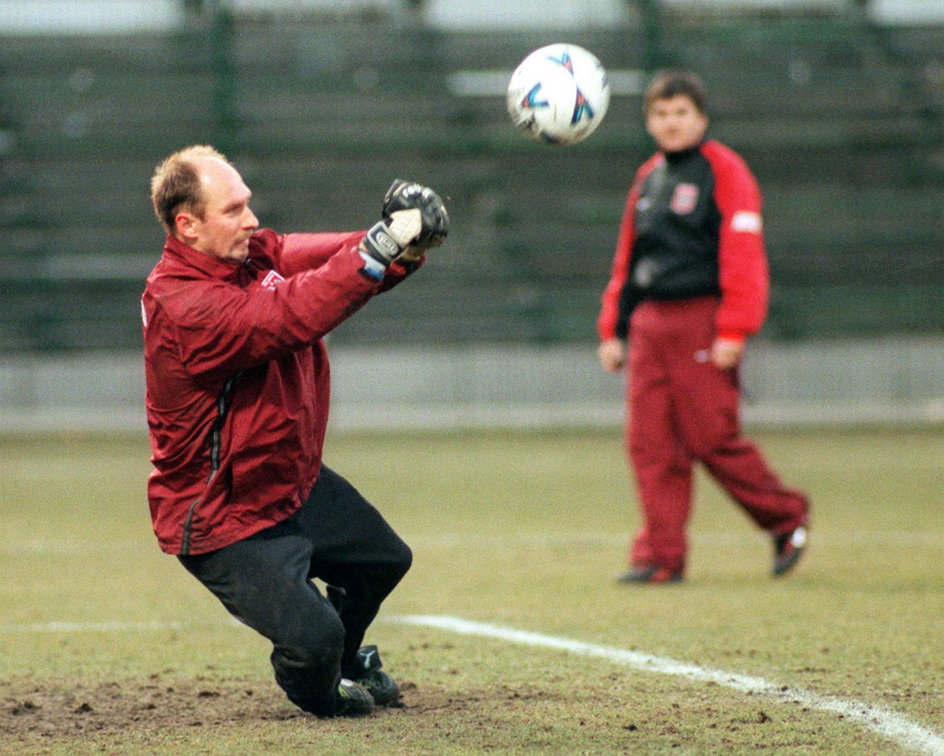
271	279
684	199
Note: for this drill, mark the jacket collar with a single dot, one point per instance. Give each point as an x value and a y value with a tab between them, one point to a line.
677	157
178	252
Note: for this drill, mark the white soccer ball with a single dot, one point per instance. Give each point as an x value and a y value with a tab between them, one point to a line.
558	94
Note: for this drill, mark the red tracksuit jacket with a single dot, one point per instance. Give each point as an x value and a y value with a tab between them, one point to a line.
730	231
237	380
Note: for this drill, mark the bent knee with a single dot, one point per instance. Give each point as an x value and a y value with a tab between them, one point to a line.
403	560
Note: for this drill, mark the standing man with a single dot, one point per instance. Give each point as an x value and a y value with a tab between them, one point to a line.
689	285
237	403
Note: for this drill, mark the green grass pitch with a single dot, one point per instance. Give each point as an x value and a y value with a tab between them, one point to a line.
108	646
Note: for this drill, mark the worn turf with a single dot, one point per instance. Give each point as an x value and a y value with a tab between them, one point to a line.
107	645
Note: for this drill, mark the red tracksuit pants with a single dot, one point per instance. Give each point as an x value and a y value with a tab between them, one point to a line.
683	409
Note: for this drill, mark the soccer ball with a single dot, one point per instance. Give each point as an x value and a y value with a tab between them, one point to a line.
558	94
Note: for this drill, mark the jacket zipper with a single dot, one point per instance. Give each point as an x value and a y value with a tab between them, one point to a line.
222	407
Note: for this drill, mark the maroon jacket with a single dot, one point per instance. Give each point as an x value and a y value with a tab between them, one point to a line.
238	381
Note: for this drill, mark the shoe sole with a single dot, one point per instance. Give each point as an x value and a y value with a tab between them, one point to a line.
798	544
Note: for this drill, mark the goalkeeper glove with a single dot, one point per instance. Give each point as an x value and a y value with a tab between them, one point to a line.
408	195
387	239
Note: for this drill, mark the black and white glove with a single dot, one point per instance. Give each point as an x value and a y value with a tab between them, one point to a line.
414	220
386	240
409	195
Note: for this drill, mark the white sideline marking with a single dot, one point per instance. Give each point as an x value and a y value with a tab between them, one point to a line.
880	720
89	627
109	627
924	539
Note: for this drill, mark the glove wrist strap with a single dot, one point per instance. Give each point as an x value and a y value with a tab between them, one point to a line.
380	244
373	268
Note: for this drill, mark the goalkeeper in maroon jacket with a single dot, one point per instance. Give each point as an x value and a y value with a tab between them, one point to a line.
689	285
237	393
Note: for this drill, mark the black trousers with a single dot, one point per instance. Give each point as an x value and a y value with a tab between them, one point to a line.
265	581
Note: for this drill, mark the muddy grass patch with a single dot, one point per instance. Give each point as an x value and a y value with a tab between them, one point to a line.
35	710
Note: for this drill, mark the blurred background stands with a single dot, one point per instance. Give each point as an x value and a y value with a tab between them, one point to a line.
836	104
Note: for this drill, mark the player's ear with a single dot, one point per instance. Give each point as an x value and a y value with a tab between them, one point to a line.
186	225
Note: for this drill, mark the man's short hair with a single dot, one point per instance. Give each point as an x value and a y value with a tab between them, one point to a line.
672	83
175	184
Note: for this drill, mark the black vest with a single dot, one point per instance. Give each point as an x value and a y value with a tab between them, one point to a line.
676	232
